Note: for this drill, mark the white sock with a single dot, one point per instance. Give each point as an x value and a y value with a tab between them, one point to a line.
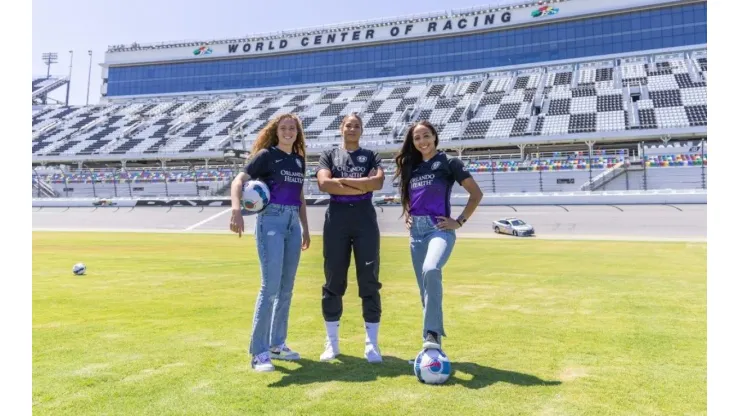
371	332
332	331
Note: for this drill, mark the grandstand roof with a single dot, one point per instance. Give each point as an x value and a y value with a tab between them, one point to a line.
501	5
396	28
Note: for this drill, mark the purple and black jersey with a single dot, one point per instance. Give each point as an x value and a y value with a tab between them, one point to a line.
282	172
345	164
431	185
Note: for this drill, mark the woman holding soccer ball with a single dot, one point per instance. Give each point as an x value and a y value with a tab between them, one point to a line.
350	174
278	160
426	179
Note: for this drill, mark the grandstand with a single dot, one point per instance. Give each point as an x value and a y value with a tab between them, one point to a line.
42	86
523	93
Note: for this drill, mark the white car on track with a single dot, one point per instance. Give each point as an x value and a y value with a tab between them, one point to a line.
513	226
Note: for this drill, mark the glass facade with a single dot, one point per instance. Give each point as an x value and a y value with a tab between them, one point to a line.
627	32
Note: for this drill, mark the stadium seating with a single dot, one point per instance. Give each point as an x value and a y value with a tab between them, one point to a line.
662	91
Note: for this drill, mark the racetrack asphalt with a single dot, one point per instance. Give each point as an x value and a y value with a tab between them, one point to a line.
583	222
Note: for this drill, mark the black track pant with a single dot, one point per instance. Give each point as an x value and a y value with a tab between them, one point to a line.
351	227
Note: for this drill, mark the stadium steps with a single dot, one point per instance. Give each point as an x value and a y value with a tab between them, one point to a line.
156	146
194	145
42	189
126	146
197	128
93	147
604	178
66	146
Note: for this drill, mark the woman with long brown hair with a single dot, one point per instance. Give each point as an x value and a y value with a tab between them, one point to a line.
350	174
426	179
278	159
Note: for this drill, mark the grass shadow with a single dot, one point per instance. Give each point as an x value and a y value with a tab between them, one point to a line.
483	376
358	370
343	368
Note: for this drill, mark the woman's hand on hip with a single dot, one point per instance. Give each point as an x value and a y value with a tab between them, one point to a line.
447	223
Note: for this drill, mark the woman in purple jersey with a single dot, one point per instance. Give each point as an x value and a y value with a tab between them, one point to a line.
426	179
281	232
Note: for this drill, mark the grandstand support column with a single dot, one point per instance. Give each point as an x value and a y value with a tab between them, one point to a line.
644	167
540	175
627	179
493	173
703	167
128	181
590	144
116	178
166	178
66	184
195	175
521	150
92	179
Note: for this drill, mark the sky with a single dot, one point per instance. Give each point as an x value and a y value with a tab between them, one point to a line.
82	25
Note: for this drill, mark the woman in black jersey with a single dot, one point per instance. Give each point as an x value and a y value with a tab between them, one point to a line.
350	174
426	179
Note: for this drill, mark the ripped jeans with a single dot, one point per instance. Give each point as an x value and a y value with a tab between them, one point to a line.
279	236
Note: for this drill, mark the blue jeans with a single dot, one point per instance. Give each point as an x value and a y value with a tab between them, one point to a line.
430	250
278	236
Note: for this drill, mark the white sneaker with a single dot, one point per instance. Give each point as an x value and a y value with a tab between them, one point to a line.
262	363
331	350
284	353
372	353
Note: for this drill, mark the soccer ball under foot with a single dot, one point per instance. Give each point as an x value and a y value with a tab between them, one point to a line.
432	366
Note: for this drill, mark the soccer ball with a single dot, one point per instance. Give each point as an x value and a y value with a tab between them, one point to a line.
255	196
79	269
432	366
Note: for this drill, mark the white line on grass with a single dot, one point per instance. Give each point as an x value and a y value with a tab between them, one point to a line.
212	217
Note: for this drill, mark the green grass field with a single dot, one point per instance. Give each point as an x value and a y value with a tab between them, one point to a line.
160	325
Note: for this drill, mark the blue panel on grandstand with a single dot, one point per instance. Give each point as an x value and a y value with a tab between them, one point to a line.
632	31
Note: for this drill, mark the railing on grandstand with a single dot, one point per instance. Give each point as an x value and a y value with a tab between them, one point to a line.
176	181
603	170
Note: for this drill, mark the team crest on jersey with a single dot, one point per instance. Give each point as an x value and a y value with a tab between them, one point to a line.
436	165
362	159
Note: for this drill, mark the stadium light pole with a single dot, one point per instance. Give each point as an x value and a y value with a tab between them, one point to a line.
89	72
49	58
69	81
